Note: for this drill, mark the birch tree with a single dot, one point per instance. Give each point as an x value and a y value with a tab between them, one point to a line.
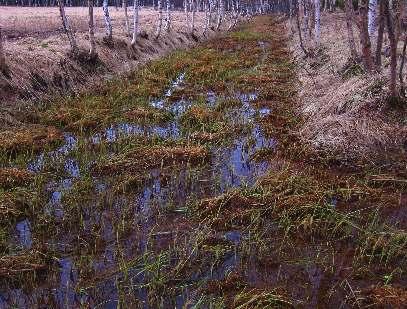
135	21
221	13
160	19
379	44
3	64
206	5
108	21
192	8
67	28
391	23
186	11
126	17
349	28
317	27
364	36
372	17
92	51
167	25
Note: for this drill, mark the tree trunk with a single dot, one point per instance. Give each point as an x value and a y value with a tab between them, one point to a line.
403	58
192	8
3	64
160	19
126	17
207	17
378	58
393	49
108	22
372	18
299	32
364	36
67	29
317	22
167	25
92	51
186	10
221	14
349	28
135	21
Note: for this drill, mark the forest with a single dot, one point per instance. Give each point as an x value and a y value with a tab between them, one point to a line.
239	154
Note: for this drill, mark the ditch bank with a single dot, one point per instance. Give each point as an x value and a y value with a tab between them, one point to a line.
43	73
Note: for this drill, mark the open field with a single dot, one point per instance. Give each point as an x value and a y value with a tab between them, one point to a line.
41	22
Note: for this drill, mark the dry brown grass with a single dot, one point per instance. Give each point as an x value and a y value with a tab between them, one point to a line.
37	51
33	137
157	156
45	21
350	114
10	177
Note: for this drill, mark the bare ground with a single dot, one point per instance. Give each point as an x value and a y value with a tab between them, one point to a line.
37	52
346	112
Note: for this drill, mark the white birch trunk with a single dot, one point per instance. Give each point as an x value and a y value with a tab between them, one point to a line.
67	29
186	10
126	17
167	25
160	19
192	7
108	21
235	16
372	17
135	21
221	13
317	29
305	21
92	51
206	21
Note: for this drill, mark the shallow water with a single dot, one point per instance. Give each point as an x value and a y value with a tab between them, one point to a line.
230	166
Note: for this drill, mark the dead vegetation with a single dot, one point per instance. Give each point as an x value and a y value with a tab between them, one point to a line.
31	137
37	51
141	159
15	265
346	112
14	177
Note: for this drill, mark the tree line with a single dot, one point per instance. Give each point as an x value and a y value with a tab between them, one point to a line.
215	11
372	19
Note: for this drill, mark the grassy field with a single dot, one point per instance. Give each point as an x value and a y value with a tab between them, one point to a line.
186	184
45	21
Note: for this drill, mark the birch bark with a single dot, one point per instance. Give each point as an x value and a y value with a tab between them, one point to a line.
160	19
221	9
349	28
167	25
364	36
92	51
372	17
126	17
317	6
67	28
135	21
108	21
